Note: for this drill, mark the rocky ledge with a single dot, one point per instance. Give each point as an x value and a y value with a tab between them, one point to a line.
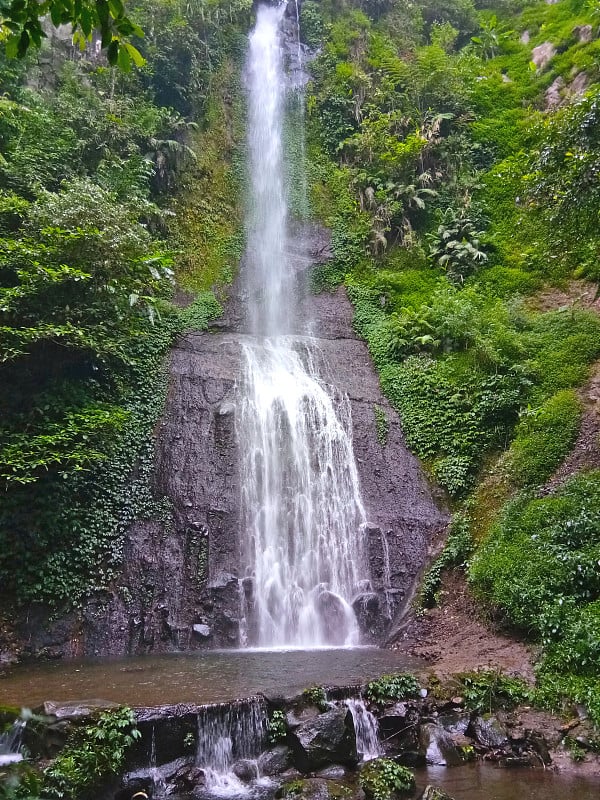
314	746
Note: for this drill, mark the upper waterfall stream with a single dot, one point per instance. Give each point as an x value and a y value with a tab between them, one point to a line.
302	513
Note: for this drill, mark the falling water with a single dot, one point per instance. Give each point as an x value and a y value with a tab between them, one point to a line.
227	732
10	743
366	727
302	511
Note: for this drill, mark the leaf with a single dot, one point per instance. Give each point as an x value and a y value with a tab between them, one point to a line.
12	46
112	52
123	58
23	44
134	54
116	8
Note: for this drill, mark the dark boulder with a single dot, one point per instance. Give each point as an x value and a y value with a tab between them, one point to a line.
394	720
246	769
437	746
433	793
275	761
488	732
329	738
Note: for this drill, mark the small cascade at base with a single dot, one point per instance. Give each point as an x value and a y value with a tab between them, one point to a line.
155	773
10	743
366	727
228	733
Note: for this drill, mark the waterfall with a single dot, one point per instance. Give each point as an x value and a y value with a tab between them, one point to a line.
366	727
302	513
10	743
228	732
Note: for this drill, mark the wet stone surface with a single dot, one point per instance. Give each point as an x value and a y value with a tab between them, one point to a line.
179	587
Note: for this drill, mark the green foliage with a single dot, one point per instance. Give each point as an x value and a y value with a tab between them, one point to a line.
453	412
487	689
92	754
457	550
20	781
541	556
382	779
21	26
456	246
558	691
316	695
312	26
426	121
575	750
88	246
397	686
559	181
491	37
277	727
543	438
562	344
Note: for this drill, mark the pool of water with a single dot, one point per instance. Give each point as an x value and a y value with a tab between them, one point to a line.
483	782
208	677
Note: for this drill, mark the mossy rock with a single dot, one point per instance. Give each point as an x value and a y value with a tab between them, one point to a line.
383	779
314	789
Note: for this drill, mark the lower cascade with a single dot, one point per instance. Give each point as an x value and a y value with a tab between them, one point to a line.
302	513
10	743
366	728
226	733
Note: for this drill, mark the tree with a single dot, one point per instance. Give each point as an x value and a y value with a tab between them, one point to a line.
21	26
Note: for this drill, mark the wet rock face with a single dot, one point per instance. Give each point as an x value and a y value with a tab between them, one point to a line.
326	739
180	587
437	746
433	793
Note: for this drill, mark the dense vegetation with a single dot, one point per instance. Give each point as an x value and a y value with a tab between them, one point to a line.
457	169
103	173
453	149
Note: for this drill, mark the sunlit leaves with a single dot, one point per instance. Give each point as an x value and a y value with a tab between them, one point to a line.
22	19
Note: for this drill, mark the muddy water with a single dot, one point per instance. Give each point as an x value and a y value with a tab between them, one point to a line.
480	782
210	677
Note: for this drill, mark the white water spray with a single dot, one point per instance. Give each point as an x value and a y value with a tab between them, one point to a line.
366	727
302	513
227	732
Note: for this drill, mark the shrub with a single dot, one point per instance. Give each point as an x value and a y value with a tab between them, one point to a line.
543	438
381	778
488	689
92	753
316	695
276	727
540	554
397	686
456	246
456	551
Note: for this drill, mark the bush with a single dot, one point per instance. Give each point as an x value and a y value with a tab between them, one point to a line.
276	727
92	754
488	689
316	695
543	439
538	567
397	686
562	344
452	412
456	551
382	778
